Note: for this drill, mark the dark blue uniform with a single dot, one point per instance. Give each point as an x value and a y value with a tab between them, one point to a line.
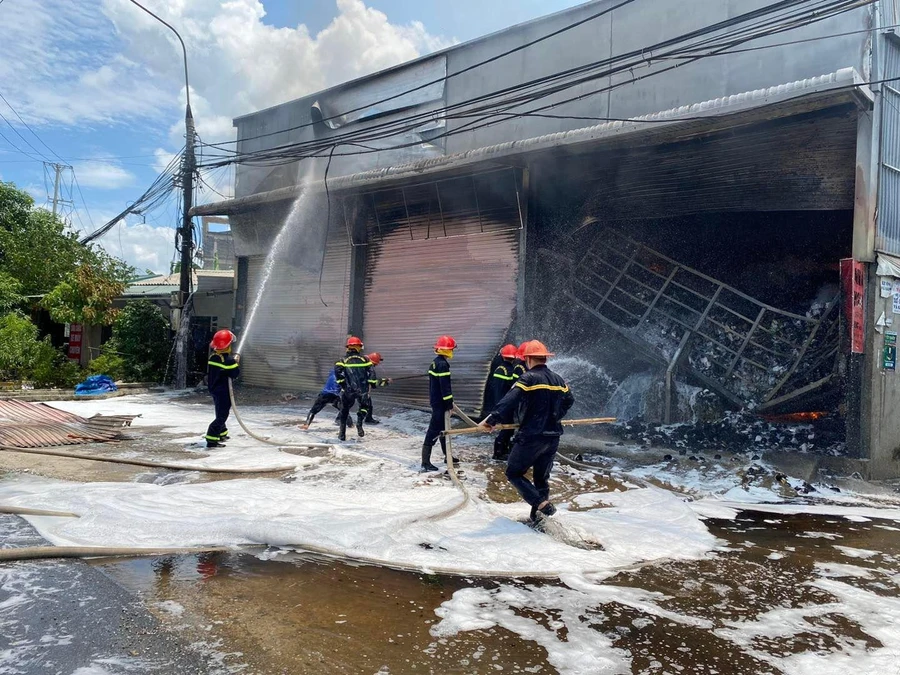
440	394
502	380
541	398
220	367
355	376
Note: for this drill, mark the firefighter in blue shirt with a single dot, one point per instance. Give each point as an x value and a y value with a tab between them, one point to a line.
331	393
220	367
543	399
441	398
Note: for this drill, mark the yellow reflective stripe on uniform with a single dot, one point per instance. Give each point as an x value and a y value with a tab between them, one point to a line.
447	398
447	374
548	387
222	365
503	377
357	365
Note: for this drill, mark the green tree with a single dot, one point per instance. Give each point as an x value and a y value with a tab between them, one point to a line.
26	357
141	338
37	252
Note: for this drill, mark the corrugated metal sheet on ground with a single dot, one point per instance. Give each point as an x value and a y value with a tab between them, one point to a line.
37	425
295	339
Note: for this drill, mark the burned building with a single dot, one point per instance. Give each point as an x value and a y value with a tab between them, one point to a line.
703	191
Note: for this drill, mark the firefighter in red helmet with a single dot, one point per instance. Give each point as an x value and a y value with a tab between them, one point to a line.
221	367
440	396
544	399
376	360
500	382
354	376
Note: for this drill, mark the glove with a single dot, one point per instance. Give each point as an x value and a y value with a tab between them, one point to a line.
383	382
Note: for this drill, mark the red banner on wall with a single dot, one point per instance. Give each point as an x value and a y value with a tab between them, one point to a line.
75	333
853	285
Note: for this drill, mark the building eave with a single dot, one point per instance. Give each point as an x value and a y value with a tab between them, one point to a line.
846	80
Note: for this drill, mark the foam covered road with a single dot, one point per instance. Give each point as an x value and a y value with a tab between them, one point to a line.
68	618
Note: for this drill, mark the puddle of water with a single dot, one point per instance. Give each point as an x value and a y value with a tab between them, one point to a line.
300	614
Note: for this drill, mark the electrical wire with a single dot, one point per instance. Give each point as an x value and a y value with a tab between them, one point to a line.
154	195
327	224
763	27
440	80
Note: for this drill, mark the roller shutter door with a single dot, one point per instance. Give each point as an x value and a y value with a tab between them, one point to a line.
442	259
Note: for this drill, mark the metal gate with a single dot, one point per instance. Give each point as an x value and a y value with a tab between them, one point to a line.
888	229
442	258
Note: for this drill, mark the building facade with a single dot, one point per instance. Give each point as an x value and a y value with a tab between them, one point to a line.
709	188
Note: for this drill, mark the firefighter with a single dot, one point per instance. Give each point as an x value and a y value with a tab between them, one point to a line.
331	393
441	397
354	376
502	380
519	368
376	360
220	366
544	399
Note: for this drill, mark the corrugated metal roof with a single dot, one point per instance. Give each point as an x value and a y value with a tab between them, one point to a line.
37	425
844	78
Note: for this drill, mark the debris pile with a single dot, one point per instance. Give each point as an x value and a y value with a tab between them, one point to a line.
739	432
37	425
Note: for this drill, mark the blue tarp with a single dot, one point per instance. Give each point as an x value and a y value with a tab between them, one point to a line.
96	384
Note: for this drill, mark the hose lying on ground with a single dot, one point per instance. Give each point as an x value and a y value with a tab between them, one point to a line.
451	470
143	462
45	552
261	439
22	511
51	552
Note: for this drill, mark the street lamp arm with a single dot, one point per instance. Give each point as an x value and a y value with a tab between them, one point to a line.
187	87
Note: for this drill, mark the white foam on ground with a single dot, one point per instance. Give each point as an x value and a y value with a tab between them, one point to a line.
877	615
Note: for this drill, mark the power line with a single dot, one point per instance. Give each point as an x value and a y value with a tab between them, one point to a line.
25	124
645	56
439	80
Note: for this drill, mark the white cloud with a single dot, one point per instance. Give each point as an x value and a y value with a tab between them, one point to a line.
103	175
66	62
141	245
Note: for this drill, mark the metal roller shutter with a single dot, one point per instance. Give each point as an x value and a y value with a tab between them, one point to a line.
442	259
296	339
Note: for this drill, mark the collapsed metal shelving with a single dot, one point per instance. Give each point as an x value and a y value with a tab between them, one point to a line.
752	354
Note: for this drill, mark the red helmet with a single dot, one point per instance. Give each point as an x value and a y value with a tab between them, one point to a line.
375	358
520	352
354	343
222	339
536	348
445	342
508	352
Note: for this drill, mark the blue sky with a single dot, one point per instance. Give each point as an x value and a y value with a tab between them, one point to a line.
100	86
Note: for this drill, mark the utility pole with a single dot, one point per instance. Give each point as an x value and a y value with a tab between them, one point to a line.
186	231
58	169
187	256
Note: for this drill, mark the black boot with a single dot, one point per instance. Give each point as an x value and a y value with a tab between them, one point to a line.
309	419
372	420
342	434
359	426
426	459
501	452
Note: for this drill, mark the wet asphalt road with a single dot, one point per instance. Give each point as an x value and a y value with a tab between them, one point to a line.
68	618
